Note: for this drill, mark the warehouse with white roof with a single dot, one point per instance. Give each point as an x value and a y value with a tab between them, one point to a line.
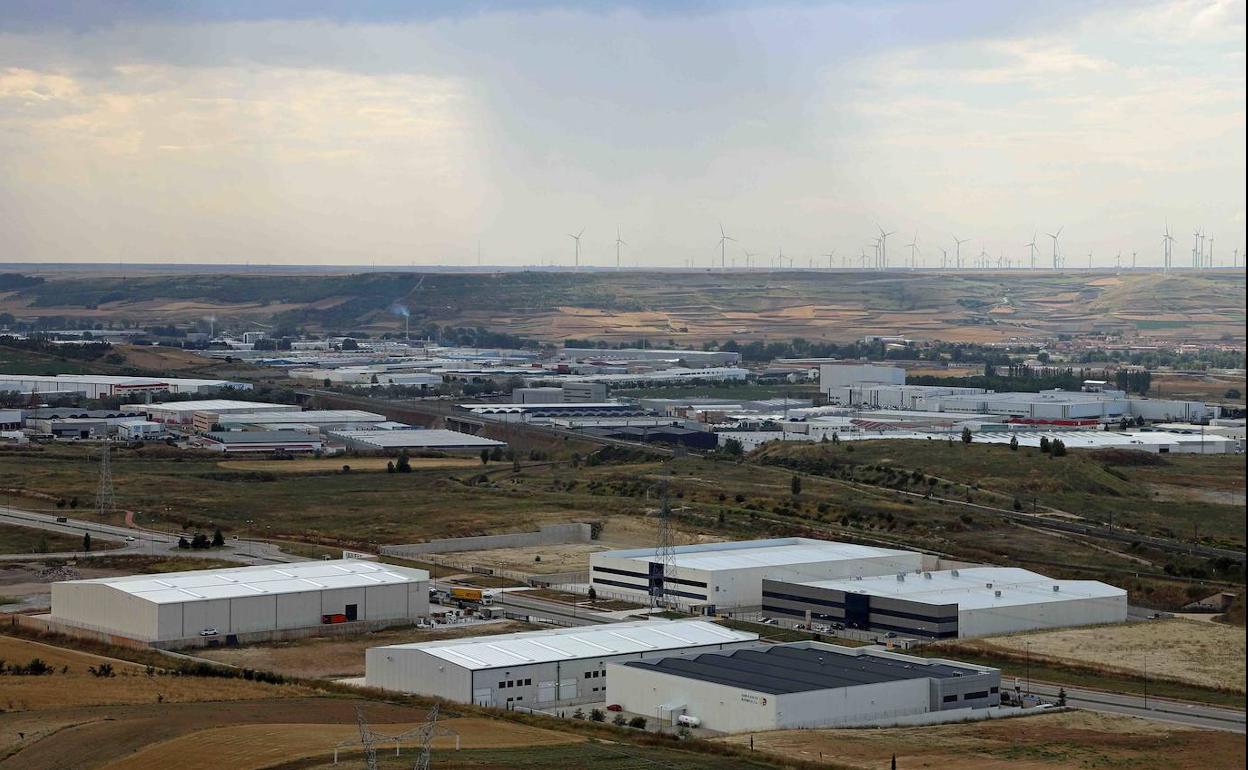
417	439
950	604
538	669
716	576
178	606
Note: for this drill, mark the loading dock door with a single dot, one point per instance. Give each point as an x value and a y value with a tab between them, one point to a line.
857	610
353	612
567	689
546	692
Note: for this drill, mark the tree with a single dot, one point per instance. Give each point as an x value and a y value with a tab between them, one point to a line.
1044	445
638	722
350	344
86	541
1233	394
796	485
593	595
1058	449
497	454
199	541
1014	443
1061	696
404	464
485	457
619	721
732	447
183	543
390	466
597	715
218	539
966	436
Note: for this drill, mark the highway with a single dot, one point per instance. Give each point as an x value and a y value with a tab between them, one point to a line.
146	542
1159	709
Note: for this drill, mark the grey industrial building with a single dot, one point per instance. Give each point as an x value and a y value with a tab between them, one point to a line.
949	604
538	669
241	600
801	685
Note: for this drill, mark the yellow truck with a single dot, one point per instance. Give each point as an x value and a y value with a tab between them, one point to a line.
478	595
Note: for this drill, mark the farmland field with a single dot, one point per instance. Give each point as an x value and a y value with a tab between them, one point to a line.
1077	739
72	684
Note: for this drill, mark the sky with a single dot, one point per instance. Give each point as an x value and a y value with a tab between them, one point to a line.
442	132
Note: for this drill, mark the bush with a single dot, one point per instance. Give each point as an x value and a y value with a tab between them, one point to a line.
637	722
619	721
596	715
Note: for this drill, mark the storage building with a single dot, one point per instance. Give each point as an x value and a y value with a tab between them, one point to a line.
260	441
977	601
538	669
178	606
801	685
183	412
717	576
414	439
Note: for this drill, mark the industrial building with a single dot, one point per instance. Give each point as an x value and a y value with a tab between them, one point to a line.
800	685
717	576
100	386
691	357
413	439
545	412
316	419
538	669
260	441
950	604
567	393
184	412
179	606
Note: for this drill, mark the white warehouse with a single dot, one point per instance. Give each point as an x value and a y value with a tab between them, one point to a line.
950	604
717	576
801	685
178	606
538	669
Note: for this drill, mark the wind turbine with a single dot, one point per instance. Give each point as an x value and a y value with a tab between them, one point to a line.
1118	261
1056	247
830	255
914	250
957	255
618	243
1032	248
723	243
1209	259
944	258
1198	250
577	239
883	265
748	256
1167	241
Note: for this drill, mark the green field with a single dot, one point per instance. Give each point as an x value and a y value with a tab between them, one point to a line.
848	495
15	539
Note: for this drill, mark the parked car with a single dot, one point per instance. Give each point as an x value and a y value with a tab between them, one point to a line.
615	707
209	632
62	519
129	538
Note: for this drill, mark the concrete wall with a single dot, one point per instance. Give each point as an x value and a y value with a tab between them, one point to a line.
1062	613
551	534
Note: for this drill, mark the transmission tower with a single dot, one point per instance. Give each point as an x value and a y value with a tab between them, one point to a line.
426	743
104	500
366	738
662	563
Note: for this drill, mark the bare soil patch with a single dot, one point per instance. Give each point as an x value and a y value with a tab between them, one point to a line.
1205	654
1077	739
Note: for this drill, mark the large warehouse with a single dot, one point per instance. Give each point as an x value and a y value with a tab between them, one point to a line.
717	576
241	600
799	685
104	385
538	669
418	439
978	601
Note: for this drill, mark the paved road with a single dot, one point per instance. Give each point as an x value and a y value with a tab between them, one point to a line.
559	613
146	542
1159	709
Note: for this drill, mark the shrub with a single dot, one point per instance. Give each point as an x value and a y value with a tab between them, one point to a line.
619	721
596	715
637	722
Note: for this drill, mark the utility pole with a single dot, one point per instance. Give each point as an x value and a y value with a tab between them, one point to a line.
105	502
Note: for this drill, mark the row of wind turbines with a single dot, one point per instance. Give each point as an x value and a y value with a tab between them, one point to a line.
1202	254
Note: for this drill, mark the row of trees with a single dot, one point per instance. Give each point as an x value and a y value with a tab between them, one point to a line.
201	541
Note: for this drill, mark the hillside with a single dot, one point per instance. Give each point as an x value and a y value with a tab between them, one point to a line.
687	307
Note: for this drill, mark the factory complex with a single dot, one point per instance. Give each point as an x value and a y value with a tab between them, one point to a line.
949	604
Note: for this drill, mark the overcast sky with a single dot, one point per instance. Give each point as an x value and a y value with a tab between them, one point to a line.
368	132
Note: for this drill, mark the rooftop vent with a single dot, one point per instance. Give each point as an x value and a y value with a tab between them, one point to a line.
953	573
997	594
1056	589
901	577
927	575
987	585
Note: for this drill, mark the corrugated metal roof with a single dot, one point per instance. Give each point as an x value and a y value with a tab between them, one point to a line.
235	582
421	438
577	643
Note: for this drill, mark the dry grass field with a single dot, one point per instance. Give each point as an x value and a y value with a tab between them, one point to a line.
1205	654
251	747
1077	739
72	684
335	657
